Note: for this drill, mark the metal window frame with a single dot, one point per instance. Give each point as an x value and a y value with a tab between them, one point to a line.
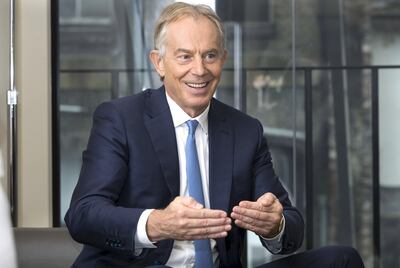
55	116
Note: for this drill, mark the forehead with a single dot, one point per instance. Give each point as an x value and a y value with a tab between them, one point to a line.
190	31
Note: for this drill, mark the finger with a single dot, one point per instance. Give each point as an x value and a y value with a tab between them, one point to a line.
252	213
204	213
205	223
261	205
263	231
258	218
209	232
251	205
211	236
254	221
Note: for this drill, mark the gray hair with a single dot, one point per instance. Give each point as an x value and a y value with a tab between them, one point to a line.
178	10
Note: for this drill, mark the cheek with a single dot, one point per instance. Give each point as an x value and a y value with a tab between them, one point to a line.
216	71
178	75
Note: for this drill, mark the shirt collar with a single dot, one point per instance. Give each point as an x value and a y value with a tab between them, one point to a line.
179	116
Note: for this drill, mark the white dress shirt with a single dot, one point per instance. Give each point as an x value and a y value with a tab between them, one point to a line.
182	254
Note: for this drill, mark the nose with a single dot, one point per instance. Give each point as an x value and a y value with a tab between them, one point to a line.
198	67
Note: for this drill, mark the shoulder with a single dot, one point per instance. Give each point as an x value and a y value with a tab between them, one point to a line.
131	106
135	101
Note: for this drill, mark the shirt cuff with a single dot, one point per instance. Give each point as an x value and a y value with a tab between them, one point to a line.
274	244
141	239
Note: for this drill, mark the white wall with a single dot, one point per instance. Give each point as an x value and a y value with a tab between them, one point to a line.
33	82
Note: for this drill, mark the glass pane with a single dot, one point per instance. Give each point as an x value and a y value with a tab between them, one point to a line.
353	33
67	8
269	96
389	110
343	159
261	32
98	61
99	8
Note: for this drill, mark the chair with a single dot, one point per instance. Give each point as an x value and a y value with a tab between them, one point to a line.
45	247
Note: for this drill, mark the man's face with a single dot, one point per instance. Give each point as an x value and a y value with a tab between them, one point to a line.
192	63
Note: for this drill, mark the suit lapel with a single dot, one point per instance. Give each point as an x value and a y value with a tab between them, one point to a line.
158	121
221	157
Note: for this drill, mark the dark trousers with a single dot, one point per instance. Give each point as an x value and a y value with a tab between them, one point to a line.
325	257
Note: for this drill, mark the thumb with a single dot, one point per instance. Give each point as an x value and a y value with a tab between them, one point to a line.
191	202
267	199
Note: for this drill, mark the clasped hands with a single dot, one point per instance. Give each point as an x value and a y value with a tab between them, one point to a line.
186	219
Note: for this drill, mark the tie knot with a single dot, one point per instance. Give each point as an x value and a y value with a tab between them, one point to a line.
192	125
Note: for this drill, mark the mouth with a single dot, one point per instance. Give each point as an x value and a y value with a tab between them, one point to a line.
197	85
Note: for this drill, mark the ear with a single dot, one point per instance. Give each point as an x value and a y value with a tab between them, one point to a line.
157	62
224	57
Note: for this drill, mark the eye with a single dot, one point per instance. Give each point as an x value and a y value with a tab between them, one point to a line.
184	57
210	57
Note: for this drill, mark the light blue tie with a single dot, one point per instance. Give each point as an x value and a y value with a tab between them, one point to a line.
202	247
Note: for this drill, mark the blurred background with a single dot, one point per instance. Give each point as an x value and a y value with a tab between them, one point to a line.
323	77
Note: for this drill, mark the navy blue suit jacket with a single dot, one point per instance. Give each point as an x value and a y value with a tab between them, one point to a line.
131	164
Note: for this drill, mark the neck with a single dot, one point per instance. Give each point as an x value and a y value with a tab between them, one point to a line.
193	112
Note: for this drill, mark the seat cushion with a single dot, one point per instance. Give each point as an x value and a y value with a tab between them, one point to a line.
45	247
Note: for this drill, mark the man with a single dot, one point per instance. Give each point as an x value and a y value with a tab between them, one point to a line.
173	176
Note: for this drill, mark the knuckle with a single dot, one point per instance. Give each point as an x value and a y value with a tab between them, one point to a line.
258	215
185	234
203	213
180	213
277	219
271	197
280	208
180	222
206	230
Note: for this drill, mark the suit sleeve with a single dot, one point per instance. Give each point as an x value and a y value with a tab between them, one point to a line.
267	181
94	217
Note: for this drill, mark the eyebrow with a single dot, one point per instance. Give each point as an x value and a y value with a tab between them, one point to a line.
213	50
184	50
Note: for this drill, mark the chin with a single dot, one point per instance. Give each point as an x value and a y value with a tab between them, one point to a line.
200	101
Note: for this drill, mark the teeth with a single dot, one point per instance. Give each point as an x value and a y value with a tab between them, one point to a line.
197	85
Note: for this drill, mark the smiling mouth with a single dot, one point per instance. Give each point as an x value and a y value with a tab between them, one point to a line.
197	85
